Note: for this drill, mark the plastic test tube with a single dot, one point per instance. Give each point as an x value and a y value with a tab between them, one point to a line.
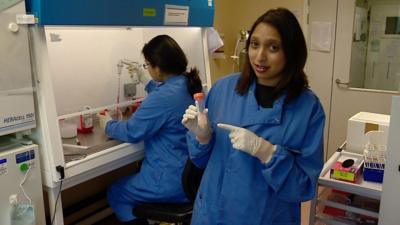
199	97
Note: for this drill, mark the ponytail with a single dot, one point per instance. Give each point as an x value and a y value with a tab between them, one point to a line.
193	81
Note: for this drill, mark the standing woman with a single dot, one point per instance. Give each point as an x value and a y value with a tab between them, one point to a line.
261	141
157	122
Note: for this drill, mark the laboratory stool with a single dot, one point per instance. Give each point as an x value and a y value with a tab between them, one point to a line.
178	213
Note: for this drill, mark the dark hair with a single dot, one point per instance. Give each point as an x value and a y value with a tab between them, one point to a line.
163	51
294	79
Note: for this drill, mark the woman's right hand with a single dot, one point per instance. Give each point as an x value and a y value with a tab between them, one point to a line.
197	123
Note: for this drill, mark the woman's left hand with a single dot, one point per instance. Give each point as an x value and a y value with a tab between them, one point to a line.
247	141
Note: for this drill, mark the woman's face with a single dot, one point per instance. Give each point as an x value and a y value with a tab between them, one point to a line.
153	71
266	54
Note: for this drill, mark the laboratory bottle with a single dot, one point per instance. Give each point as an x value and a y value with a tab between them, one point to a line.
199	100
201	119
85	122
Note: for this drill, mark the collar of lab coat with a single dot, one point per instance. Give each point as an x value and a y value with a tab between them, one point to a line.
256	114
171	79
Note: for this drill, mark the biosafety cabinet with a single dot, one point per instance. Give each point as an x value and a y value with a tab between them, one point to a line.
80	72
84	55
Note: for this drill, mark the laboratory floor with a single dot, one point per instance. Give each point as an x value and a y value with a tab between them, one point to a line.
109	220
305	212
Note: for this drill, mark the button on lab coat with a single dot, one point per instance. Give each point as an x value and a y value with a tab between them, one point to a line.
237	188
158	122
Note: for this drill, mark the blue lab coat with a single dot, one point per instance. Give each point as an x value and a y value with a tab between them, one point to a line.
237	188
158	122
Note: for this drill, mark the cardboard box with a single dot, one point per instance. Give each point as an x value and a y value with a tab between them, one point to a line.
347	168
360	124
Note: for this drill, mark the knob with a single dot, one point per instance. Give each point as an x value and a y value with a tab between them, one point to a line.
13	27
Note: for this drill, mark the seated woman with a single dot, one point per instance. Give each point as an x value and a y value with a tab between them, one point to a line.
157	122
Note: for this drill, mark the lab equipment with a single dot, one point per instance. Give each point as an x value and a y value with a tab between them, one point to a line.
137	75
132	67
86	53
196	122
240	51
85	121
362	122
21	196
199	98
23	214
75	54
68	129
104	117
67	57
374	156
134	13
16	93
361	189
347	168
129	90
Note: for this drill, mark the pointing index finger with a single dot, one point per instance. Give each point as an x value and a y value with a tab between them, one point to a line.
227	126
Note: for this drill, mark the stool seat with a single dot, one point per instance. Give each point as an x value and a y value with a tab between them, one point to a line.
178	213
166	212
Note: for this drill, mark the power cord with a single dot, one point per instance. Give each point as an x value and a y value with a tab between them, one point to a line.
23	182
60	170
23	190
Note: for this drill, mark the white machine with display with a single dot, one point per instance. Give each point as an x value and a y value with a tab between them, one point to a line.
21	196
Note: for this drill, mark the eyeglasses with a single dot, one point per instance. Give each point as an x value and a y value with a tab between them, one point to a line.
146	65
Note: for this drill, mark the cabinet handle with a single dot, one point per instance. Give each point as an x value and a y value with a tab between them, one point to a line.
342	84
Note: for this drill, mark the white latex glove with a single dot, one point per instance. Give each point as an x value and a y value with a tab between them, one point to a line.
197	123
245	140
142	74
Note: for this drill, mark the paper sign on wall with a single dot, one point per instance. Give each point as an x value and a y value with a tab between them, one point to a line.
321	36
176	15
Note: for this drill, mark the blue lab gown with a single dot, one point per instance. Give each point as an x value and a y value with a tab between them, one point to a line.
158	122
237	188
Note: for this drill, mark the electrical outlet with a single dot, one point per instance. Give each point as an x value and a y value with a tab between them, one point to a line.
13	199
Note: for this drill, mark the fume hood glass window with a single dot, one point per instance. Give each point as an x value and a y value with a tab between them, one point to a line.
375	53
